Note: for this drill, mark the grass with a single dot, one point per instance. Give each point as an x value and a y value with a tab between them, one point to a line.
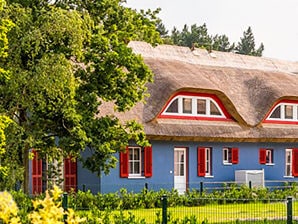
228	213
258	213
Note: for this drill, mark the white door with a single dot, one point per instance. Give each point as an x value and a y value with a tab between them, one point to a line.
180	169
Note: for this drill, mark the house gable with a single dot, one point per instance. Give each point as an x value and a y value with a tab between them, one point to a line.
283	112
195	106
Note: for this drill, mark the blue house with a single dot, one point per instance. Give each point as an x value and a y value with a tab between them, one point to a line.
210	117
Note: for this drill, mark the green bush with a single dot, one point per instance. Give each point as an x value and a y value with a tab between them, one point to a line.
99	206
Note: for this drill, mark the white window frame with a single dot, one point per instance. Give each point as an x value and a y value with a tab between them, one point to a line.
194	107
139	160
288	164
283	112
270	153
208	162
227	156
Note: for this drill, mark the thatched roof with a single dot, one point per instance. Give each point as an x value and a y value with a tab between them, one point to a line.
248	87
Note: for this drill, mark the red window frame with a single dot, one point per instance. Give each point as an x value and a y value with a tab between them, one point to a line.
235	155
201	162
262	156
295	162
70	174
124	164
263	159
36	173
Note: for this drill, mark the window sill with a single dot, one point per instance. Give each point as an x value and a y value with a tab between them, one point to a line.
289	177
227	164
209	176
270	164
136	177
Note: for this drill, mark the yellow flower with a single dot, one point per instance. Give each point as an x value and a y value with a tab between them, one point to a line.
72	219
8	208
57	192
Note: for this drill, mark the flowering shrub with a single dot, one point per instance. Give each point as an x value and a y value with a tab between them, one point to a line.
8	208
47	210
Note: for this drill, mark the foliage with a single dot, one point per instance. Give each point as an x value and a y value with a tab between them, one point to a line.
247	44
66	57
5	26
45	210
152	199
114	207
198	36
8	208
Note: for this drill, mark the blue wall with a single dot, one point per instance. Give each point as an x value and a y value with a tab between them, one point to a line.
87	180
163	173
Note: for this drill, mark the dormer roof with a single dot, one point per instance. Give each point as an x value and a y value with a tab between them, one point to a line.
247	86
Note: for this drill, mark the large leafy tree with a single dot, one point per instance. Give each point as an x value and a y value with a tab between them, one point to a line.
247	44
65	58
5	26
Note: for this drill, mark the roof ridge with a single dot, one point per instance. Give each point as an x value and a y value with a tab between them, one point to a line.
214	58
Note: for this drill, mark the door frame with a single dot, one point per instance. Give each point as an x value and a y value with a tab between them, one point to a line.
186	165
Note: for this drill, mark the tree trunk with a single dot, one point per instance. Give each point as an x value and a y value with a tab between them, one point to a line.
26	171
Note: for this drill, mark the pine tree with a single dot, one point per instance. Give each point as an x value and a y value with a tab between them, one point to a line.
247	44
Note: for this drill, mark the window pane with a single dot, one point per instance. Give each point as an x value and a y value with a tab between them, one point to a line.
288	156
269	156
131	170
173	108
136	154
288	111
225	155
214	109
182	157
187	106
176	169
181	169
201	105
288	170
136	167
131	154
276	113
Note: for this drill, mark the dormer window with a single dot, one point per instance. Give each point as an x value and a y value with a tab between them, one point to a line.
196	106
284	111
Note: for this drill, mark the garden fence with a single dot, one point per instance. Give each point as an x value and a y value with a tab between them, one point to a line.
210	210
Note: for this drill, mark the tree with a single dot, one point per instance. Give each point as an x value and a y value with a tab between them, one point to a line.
5	26
65	58
197	36
247	44
221	43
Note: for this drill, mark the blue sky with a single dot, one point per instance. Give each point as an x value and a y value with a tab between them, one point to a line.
273	22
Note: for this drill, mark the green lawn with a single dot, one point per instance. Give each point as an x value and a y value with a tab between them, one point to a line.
250	212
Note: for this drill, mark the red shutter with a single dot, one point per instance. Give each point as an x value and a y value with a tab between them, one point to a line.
235	155
124	163
295	162
148	161
36	174
70	174
262	156
201	162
